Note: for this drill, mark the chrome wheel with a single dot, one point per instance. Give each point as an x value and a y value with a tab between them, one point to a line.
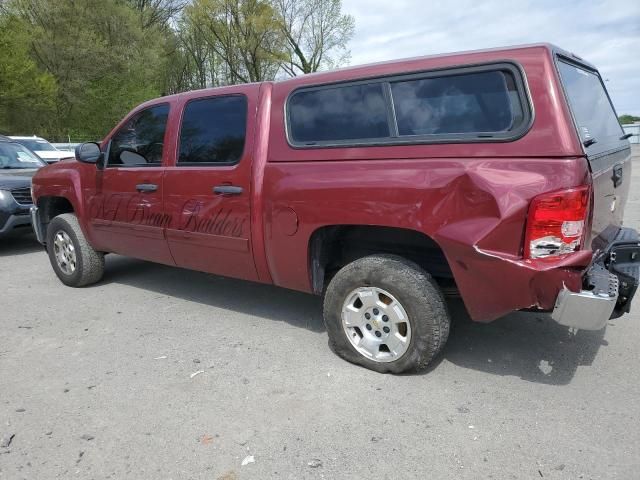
65	252
376	324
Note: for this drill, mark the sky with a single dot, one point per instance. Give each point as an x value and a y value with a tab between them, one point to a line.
603	32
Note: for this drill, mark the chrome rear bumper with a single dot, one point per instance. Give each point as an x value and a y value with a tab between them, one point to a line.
609	286
587	309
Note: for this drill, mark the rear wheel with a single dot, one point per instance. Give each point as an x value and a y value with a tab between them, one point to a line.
385	313
75	262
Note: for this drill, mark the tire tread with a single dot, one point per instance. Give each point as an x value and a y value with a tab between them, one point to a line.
424	295
90	261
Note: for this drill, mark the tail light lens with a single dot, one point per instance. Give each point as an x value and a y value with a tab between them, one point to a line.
557	222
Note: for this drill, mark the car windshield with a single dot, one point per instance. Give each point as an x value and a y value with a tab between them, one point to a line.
36	145
15	156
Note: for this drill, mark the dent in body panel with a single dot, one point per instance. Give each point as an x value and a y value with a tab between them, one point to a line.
475	209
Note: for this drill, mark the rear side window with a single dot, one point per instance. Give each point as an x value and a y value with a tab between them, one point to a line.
213	130
140	142
592	110
458	104
480	103
336	114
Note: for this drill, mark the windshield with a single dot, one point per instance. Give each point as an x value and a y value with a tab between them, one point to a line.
15	156
592	110
36	145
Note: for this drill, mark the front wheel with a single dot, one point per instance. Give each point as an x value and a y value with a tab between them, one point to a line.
385	313
73	259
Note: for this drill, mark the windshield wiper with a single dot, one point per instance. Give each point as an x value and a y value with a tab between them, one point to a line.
626	135
589	141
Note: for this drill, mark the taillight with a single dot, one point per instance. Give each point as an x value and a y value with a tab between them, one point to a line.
557	222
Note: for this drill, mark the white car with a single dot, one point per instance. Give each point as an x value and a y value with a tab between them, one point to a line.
43	149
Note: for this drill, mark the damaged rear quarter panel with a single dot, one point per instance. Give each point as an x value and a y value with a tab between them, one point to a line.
475	209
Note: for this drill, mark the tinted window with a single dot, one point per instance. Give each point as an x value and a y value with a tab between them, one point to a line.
15	156
355	112
140	141
457	104
592	110
37	145
213	130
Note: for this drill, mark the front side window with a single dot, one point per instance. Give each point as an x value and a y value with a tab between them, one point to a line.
595	118
140	142
353	112
213	130
457	104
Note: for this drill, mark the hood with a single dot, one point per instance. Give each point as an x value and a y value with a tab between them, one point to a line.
53	154
16	178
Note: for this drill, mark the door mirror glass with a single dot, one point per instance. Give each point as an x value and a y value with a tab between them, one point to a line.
88	152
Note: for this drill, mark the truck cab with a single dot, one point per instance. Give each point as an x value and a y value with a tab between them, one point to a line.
498	175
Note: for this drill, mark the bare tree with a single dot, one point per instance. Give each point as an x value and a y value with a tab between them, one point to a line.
244	34
157	13
316	32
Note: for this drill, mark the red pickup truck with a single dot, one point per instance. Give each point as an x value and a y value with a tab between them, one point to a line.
500	175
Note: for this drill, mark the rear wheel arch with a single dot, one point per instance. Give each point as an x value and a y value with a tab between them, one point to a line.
334	246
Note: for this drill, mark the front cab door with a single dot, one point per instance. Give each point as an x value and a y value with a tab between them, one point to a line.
126	208
208	189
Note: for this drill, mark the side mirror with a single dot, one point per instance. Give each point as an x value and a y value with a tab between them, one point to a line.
88	153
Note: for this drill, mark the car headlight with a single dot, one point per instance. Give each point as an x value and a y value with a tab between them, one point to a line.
6	198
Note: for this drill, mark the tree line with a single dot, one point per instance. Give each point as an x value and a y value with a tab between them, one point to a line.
75	67
628	119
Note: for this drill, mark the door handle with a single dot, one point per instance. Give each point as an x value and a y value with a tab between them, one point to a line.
617	175
227	190
146	187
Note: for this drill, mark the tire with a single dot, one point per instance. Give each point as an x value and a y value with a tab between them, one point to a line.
395	281
89	264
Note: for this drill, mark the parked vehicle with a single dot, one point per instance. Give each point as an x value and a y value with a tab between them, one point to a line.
17	166
43	148
500	173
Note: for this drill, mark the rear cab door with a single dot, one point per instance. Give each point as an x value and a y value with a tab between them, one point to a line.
607	150
207	188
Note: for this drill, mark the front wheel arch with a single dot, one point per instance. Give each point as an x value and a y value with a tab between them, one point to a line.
50	207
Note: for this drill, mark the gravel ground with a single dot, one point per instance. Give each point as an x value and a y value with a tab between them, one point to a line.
164	373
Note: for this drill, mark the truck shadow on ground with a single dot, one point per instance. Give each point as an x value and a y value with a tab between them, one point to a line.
526	345
19	243
264	301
